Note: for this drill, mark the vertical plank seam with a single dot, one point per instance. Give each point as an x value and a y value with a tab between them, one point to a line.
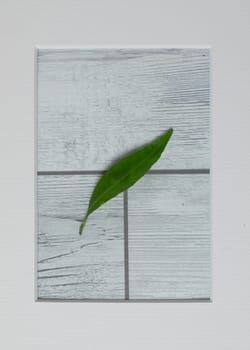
126	251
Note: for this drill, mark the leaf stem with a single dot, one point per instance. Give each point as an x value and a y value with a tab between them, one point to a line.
82	225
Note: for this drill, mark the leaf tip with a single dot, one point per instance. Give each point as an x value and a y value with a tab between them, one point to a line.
171	130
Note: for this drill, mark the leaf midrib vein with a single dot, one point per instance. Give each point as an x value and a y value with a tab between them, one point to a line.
122	178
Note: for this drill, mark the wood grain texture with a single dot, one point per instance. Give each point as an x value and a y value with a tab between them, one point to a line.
169	237
70	266
95	105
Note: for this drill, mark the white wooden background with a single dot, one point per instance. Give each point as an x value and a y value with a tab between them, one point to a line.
70	266
93	106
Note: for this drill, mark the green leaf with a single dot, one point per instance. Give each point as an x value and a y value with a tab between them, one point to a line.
125	173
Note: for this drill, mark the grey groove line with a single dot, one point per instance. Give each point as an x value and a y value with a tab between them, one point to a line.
167	300
100	172
126	250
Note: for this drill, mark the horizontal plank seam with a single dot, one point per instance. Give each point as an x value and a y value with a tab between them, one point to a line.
178	300
150	172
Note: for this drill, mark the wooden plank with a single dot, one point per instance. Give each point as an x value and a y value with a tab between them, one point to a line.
169	239
95	105
70	266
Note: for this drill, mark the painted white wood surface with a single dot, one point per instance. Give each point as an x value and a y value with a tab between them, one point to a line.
95	105
70	266
169	237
